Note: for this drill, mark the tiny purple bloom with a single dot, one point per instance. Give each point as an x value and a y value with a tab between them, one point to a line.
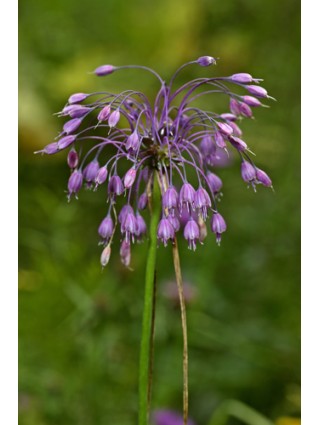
125	210
186	196
115	186
129	226
218	226
141	227
191	233
248	172
214	182
175	222
106	227
170	199
202	201
132	141
101	176
91	171
165	231
75	182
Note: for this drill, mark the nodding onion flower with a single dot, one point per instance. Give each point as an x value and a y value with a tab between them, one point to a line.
169	136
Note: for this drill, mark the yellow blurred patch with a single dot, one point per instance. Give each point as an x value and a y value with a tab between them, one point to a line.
288	421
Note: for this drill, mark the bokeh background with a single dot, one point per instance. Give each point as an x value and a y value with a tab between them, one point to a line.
80	327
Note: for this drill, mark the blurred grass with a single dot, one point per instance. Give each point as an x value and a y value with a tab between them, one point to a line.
80	327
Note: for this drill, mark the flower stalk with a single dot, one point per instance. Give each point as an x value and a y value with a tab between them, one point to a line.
145	370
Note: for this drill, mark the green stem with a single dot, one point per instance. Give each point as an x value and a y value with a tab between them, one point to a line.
148	310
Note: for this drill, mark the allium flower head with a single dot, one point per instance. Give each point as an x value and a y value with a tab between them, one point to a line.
168	139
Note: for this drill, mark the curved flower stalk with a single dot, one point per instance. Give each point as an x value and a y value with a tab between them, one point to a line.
170	136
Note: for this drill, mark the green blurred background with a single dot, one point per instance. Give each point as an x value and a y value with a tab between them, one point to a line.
80	327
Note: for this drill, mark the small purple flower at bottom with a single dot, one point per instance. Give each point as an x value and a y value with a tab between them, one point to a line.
191	233
168	417
218	226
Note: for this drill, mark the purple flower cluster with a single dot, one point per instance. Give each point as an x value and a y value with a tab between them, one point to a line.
169	138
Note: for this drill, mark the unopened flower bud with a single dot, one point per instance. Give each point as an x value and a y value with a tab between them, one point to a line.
66	141
78	111
238	143
50	149
218	138
245	110
263	178
77	98
71	125
129	177
143	201
224	128
104	113
114	118
234	106
125	253
105	256
241	78
103	70
257	91
206	61
73	158
251	101
214	182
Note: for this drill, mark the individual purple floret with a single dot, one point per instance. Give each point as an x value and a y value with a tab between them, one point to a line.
218	226
191	233
126	143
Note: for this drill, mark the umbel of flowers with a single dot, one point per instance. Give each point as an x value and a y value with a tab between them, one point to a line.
168	136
